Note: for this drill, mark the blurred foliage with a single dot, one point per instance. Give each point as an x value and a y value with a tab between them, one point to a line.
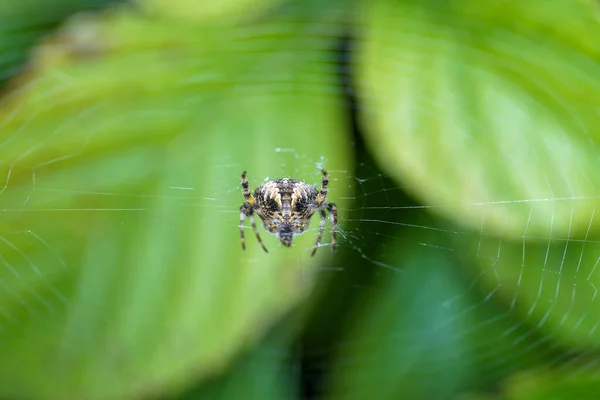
441	346
268	371
133	300
125	126
26	22
483	86
206	10
538	384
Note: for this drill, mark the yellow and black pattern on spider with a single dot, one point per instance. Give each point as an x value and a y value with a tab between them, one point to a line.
286	206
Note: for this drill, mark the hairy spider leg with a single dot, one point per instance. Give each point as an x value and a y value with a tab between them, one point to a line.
247	195
321	229
247	211
242	223
323	193
333	214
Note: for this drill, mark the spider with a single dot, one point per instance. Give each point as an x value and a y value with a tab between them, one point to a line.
286	207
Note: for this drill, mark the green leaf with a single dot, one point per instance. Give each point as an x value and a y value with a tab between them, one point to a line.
22	25
487	105
548	385
267	372
122	151
423	333
206	10
543	384
550	284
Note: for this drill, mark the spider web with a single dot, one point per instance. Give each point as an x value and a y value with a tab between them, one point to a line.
514	309
377	218
370	227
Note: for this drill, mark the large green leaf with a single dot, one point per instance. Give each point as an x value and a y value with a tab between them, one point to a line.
122	151
424	333
550	284
487	106
22	24
544	384
552	385
206	9
267	372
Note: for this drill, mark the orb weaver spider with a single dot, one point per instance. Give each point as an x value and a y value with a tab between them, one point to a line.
286	206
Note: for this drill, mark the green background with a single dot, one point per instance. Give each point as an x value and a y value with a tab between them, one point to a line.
461	140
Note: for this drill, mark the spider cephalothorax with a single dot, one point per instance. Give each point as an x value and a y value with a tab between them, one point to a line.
286	206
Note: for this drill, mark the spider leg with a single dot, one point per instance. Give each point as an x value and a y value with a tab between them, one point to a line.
323	193
247	211
333	214
247	195
321	229
255	229
242	220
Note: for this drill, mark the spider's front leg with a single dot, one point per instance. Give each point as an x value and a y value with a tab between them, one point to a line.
243	215
323	193
321	229
247	211
332	209
247	195
333	215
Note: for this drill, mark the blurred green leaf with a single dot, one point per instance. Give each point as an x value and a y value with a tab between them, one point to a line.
487	105
122	151
22	24
267	372
206	10
423	333
537	385
550	284
544	385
